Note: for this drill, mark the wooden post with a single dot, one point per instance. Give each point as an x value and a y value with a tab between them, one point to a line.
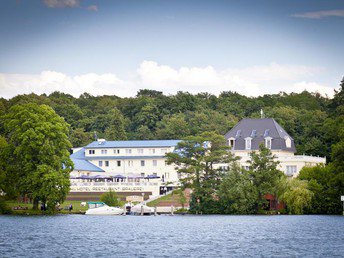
125	210
141	210
172	208
155	211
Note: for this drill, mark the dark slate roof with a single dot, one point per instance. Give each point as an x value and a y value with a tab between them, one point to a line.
264	127
80	162
133	144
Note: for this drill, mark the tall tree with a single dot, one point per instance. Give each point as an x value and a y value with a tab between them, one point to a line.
38	152
296	195
196	159
116	126
237	193
264	174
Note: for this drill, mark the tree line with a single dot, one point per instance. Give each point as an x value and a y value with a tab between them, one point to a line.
309	118
36	132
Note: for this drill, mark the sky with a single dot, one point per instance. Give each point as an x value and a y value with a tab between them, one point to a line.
118	47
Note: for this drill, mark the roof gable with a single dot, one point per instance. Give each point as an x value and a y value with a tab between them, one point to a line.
258	130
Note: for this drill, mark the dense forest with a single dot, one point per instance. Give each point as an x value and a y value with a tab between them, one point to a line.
312	120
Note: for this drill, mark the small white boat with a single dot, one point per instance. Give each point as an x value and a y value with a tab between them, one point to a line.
100	208
140	208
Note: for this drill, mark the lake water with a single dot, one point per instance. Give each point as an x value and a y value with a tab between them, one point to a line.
171	236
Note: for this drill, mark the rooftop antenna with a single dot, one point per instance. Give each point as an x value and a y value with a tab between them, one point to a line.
261	113
95	136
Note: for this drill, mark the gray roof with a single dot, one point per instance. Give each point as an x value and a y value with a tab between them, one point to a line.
133	144
258	130
80	162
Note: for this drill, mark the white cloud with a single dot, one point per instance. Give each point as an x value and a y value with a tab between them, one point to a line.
62	3
312	87
320	14
50	81
250	81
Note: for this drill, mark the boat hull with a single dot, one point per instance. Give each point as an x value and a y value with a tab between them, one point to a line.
105	211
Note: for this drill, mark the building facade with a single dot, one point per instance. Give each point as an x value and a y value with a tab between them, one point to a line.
249	133
139	167
124	166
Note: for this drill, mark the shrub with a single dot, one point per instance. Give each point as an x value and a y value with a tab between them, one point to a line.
110	198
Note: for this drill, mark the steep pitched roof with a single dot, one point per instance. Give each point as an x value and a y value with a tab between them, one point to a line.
80	162
258	130
133	144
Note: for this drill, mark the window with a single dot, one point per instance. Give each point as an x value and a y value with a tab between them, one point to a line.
106	163
130	163
238	133
128	151
287	142
152	151
266	133
248	143
104	151
100	163
155	174
140	151
155	163
254	133
91	151
142	174
231	143
268	143
142	163
118	163
116	151
290	170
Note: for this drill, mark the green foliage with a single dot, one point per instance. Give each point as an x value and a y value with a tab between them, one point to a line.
327	184
79	137
237	193
264	174
37	153
195	159
110	198
297	195
4	208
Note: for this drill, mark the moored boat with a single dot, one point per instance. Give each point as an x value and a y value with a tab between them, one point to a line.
100	208
142	209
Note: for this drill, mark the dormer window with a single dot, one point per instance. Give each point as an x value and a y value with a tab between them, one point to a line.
231	142
266	133
268	142
238	133
248	143
287	142
254	133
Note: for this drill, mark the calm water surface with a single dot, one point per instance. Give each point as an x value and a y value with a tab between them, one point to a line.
172	236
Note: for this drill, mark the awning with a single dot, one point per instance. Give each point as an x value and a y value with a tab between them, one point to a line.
119	176
134	176
84	177
152	177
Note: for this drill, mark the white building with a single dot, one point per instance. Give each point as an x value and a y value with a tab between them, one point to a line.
248	134
139	167
125	166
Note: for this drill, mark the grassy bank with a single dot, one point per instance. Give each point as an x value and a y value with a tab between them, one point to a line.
26	209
